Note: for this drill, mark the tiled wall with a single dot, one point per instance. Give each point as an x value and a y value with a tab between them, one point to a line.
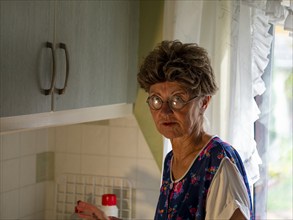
21	196
113	147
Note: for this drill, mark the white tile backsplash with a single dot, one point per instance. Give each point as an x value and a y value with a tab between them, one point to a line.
146	201
21	197
143	150
124	122
50	196
9	205
11	174
28	143
74	139
60	164
10	145
42	140
61	139
109	148
148	174
123	141
124	167
95	139
27	170
27	201
94	165
40	197
73	163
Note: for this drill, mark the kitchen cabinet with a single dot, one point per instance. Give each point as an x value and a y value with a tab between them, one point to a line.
101	40
25	62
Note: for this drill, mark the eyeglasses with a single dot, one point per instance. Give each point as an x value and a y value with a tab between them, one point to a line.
175	102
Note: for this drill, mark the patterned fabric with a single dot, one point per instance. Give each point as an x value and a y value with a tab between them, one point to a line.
186	199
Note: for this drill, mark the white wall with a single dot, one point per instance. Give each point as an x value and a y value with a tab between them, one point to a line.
114	147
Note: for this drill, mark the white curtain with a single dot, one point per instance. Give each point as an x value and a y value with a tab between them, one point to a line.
235	33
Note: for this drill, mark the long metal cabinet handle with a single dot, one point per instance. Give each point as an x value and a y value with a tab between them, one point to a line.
49	91
62	90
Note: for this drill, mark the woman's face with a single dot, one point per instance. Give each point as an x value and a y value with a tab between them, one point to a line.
175	123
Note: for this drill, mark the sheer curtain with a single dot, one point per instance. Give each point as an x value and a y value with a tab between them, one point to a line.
235	33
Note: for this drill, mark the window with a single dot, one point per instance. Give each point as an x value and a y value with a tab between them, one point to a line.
279	204
273	192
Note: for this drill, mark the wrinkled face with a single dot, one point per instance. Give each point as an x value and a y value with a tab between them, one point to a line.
172	122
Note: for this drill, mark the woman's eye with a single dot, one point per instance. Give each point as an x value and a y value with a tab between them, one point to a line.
156	101
177	102
177	99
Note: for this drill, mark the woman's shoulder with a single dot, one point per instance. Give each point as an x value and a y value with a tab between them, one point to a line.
217	144
217	148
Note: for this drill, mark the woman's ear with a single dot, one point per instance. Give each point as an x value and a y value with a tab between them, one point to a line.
205	102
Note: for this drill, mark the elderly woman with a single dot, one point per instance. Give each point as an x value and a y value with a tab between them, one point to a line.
203	177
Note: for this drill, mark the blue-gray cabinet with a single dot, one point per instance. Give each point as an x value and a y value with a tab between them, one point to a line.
94	41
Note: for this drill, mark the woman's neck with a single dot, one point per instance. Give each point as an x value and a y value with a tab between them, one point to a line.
184	146
184	152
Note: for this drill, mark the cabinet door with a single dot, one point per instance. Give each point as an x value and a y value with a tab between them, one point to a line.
101	38
25	62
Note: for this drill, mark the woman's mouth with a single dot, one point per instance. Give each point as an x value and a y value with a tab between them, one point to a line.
168	124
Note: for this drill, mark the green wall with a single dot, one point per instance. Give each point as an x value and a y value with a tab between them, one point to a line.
150	34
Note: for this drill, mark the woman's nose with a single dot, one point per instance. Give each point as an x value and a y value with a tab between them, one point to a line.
166	109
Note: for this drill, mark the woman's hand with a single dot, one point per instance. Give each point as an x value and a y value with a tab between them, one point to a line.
89	211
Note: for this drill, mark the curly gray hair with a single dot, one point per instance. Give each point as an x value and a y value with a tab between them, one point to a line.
187	64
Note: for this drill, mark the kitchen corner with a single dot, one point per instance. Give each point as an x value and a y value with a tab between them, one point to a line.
114	147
